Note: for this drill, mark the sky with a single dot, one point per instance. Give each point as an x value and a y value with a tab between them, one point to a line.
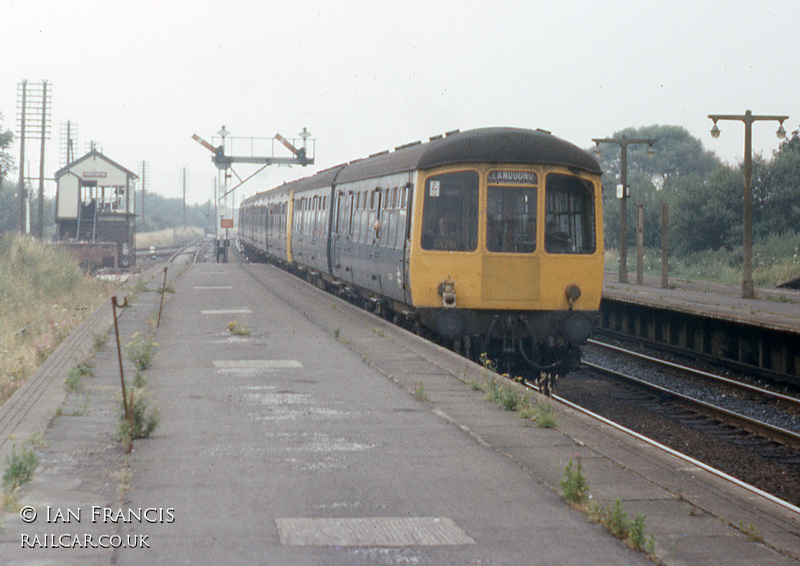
140	78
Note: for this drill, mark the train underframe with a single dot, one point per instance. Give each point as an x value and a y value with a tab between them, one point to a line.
542	345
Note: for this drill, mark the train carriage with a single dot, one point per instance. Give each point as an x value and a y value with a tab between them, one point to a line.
490	238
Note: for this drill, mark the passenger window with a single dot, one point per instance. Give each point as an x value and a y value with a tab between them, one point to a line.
569	215
511	219
450	212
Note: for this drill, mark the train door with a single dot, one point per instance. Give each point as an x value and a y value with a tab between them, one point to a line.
269	215
407	214
341	243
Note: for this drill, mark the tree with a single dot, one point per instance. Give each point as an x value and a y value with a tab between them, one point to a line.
776	191
8	207
706	213
652	180
6	162
162	212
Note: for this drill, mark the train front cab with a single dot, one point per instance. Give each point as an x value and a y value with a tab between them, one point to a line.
508	252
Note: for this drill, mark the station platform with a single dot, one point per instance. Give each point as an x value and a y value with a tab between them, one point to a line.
326	435
773	308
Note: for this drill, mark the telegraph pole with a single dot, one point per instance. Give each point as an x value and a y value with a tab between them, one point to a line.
22	89
623	142
32	98
40	215
69	136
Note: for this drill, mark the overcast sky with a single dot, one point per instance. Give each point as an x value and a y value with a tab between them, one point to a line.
364	76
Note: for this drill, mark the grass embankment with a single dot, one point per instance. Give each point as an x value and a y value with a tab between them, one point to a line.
168	237
44	295
776	260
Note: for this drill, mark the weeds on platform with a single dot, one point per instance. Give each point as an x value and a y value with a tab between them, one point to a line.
141	350
20	467
143	418
615	519
751	532
510	399
574	485
99	339
575	490
140	419
419	391
238	328
542	414
74	381
140	286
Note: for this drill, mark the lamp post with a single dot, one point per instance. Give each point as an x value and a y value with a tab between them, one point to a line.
748	292
623	142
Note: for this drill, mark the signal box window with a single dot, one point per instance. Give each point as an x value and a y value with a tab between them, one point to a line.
511	217
450	212
569	215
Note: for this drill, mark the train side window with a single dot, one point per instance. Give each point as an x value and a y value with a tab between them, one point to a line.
322	218
348	214
375	214
569	215
356	227
403	226
450	212
511	219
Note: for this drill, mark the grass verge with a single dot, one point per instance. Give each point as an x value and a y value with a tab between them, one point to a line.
44	295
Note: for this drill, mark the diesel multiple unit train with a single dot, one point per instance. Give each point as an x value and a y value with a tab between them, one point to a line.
491	239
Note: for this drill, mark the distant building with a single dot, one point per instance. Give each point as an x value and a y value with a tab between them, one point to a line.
94	205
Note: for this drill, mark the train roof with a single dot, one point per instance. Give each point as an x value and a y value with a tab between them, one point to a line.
482	145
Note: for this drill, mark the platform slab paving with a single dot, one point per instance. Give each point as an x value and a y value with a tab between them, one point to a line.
771	308
326	463
295	450
82	466
545	455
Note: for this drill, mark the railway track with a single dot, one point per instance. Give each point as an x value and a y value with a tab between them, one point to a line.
745	431
726	400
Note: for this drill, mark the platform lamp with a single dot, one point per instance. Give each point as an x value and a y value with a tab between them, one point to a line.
623	142
748	290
